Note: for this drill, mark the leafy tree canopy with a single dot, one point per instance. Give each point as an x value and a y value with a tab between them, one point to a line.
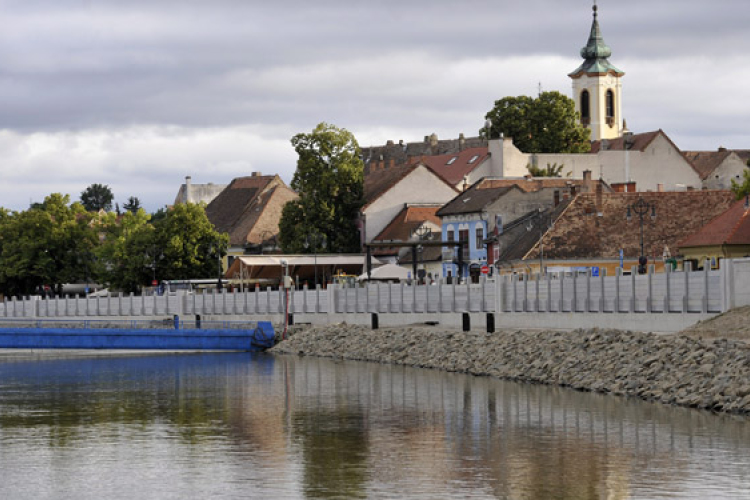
44	245
132	205
329	180
97	197
741	189
553	170
546	124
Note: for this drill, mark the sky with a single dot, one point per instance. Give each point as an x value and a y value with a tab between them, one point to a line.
137	94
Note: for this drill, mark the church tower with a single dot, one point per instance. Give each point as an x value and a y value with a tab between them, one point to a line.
597	88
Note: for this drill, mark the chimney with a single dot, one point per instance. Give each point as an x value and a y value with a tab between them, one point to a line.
256	174
660	188
722	149
389	142
188	189
466	183
587	181
433	140
461	141
391	162
426	139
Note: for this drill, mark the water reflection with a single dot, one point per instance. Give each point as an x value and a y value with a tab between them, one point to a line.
238	425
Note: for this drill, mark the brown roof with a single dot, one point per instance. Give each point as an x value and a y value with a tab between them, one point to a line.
529	184
474	199
239	209
402	153
743	153
706	162
453	167
730	228
637	142
407	221
404	224
581	233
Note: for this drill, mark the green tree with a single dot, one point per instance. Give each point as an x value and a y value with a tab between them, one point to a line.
329	180
97	197
45	245
181	245
546	124
187	243
553	170
743	188
133	205
122	260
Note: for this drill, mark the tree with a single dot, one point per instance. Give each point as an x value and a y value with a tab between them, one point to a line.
45	245
547	124
132	205
553	170
329	180
97	197
742	189
181	245
187	243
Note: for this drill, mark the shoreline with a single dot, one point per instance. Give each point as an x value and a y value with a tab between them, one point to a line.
674	369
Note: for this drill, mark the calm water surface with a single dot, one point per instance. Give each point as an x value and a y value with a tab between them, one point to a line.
258	426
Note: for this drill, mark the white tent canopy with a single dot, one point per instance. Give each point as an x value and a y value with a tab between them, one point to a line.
387	272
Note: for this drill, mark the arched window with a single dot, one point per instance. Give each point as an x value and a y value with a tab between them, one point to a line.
585	107
610	108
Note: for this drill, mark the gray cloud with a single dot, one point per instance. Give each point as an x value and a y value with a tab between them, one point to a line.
138	94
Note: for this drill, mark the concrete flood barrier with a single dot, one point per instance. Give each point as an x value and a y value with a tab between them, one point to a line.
224	336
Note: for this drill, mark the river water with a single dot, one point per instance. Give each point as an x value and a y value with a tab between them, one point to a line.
262	426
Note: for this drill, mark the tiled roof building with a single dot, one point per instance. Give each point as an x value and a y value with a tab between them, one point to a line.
589	228
727	235
249	209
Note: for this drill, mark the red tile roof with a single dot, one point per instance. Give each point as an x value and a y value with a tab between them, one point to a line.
730	228
410	218
454	167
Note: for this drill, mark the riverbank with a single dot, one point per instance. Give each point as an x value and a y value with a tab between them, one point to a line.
680	369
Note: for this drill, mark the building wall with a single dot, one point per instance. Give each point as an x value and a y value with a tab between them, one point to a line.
659	164
420	186
721	178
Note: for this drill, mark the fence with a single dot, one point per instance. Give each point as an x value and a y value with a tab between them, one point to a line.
510	298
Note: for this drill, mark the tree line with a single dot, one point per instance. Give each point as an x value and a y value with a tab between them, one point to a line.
58	242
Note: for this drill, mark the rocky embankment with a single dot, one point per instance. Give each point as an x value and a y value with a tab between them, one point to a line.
673	369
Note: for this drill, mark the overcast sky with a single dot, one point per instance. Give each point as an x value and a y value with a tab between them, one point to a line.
137	94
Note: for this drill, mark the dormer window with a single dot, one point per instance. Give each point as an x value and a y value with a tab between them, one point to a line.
452	160
473	159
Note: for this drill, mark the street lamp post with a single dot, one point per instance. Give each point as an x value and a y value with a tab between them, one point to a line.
641	208
314	240
423	233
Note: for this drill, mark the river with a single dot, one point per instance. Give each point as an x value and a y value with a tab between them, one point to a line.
262	426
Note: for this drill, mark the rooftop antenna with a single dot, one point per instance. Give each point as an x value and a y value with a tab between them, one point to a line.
540	88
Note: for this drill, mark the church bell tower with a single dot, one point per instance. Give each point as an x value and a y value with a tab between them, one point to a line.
597	88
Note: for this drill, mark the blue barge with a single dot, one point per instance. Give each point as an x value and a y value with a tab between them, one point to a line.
134	335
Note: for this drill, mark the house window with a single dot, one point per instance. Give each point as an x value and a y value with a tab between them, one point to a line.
585	108
473	159
480	238
610	98
451	235
452	160
463	237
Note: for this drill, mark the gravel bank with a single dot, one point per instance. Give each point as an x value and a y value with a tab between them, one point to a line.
672	369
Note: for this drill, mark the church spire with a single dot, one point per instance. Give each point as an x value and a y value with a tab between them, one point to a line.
595	53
